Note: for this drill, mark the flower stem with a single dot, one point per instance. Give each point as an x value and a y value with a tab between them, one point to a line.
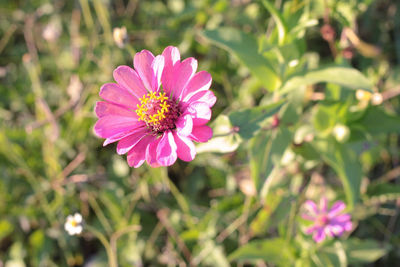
115	236
99	213
180	199
111	255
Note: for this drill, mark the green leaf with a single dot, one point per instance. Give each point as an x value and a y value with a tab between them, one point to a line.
327	115
377	121
36	239
5	228
276	209
216	257
245	47
266	151
276	251
383	192
345	163
323	119
225	139
332	255
364	251
248	121
190	235
280	23
347	77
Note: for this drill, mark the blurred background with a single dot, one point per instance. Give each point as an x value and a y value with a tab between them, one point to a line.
55	55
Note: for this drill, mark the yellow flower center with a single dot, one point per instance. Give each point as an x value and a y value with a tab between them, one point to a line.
157	111
148	112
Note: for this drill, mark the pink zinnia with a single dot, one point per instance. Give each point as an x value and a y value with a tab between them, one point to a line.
156	110
326	222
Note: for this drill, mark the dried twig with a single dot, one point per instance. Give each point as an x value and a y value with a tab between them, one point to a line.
390	175
58	113
162	216
73	164
28	35
130	8
237	223
391	93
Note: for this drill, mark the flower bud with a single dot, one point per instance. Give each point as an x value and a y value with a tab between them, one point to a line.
120	36
52	31
328	33
341	133
376	99
362	95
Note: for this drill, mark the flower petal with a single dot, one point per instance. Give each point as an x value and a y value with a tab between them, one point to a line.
333	231
151	153
157	66
183	72
78	217
201	81
311	207
128	78
201	113
342	218
112	125
103	109
126	144
143	65
348	226
203	96
119	136
184	124
311	229
323	205
319	235
185	148
137	155
171	58
118	95
78	229
171	55
337	207
201	134
307	217
166	149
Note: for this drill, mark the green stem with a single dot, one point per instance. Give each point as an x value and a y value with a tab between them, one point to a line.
180	199
131	50
111	255
87	16
104	18
292	216
115	236
99	213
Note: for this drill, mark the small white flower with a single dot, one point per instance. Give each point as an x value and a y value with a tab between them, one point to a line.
73	225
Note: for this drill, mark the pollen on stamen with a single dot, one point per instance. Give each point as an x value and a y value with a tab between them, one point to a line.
158	111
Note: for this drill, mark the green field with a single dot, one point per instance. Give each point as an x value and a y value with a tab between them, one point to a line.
307	108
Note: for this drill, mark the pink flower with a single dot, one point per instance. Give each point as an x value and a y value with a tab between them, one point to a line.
156	110
326	222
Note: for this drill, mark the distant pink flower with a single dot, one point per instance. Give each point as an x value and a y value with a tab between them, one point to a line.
156	110
326	222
